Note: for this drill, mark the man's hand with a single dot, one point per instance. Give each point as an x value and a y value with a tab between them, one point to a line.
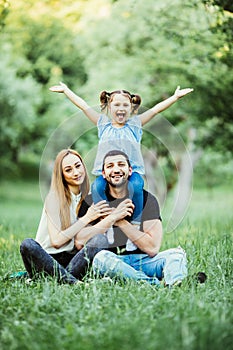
98	210
123	210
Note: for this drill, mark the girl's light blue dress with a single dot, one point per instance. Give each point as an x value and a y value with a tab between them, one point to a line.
126	139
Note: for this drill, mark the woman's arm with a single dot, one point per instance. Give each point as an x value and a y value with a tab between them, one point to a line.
148	115
124	209
78	101
59	237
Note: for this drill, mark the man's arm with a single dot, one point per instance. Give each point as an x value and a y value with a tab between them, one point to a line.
149	240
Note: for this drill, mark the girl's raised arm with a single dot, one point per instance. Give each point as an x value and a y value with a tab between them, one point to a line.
148	115
78	101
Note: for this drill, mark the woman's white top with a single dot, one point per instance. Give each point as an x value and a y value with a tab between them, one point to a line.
42	236
126	139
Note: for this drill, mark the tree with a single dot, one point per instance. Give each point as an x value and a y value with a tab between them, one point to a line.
158	45
4	11
147	47
225	5
19	98
218	98
37	51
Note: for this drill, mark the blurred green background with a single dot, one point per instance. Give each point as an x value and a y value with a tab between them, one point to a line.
148	47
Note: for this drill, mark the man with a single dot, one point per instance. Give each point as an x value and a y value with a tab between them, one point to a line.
133	251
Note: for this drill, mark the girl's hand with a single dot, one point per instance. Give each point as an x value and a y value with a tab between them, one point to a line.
58	88
98	210
180	93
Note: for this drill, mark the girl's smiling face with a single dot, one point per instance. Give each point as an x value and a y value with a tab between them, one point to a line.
120	108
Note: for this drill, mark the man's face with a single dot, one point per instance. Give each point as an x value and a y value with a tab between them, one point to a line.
116	170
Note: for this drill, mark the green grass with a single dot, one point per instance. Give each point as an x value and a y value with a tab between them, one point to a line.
127	316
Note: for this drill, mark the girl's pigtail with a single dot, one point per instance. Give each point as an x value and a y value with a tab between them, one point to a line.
104	97
136	101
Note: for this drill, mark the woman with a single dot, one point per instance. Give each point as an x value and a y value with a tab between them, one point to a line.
54	251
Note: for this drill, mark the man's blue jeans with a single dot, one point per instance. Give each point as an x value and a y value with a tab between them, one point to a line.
170	264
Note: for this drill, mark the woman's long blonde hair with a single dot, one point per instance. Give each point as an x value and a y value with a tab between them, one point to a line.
60	187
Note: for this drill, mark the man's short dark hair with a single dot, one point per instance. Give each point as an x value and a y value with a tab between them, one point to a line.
116	152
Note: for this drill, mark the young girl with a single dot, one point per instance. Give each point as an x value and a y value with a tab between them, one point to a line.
119	127
54	251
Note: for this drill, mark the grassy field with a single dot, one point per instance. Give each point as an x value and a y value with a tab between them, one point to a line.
45	315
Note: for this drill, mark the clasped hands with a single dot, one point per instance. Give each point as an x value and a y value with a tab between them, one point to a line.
102	209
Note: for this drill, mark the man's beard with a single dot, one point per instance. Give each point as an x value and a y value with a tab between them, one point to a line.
116	185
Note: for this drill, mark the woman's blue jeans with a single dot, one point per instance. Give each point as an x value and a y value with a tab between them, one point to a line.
170	264
65	267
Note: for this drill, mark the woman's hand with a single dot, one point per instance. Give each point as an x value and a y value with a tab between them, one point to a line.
58	88
98	210
77	244
182	92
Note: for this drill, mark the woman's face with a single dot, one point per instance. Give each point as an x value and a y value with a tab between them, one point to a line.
120	108
73	171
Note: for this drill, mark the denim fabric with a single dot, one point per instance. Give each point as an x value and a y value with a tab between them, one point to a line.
98	189
37	260
170	264
135	187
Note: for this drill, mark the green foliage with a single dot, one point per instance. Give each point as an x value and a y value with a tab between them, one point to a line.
223	4
103	315
213	170
19	98
4	11
147	47
158	46
218	105
33	57
51	55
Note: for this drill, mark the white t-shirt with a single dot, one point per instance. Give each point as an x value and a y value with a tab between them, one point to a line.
42	236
